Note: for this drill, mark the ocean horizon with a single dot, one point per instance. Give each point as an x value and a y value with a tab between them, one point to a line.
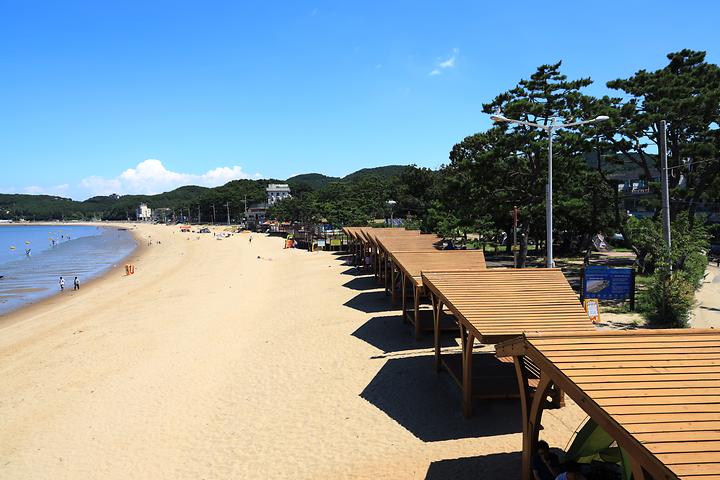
34	257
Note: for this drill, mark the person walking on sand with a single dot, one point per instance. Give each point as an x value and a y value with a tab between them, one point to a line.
62	284
76	284
250	239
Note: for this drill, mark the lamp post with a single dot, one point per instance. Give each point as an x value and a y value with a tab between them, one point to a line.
550	129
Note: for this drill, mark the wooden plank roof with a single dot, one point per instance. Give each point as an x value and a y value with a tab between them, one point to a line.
351	231
499	304
371	234
409	243
413	264
658	390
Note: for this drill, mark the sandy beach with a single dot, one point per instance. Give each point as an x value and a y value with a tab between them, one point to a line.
231	359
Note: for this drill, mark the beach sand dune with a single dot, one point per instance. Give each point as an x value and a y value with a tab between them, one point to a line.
210	362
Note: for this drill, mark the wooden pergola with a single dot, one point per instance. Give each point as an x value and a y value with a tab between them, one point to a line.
378	235
409	243
655	392
354	243
496	305
408	266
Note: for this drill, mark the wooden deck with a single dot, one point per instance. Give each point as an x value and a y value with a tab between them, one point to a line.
497	304
656	392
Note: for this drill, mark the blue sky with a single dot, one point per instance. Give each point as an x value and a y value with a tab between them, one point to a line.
141	96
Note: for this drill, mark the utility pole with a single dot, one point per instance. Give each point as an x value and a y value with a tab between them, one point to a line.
213	209
245	212
662	140
227	208
515	223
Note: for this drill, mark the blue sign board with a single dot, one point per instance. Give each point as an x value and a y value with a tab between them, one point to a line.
608	283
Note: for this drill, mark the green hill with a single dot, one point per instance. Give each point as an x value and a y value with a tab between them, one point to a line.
311	180
210	201
385	172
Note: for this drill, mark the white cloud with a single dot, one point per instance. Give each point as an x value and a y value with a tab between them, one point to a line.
151	177
445	64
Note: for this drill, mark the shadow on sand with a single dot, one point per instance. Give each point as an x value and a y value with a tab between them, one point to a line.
367	282
428	405
371	302
355	272
391	334
495	465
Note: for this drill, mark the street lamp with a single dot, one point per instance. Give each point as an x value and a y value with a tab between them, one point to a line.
550	129
392	204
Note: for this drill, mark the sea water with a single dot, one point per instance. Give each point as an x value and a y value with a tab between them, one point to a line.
34	257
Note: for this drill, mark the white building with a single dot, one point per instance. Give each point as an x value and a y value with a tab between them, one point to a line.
143	213
277	192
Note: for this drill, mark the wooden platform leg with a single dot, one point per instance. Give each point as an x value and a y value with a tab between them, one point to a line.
532	410
392	285
437	312
524	389
467	372
416	311
404	298
386	266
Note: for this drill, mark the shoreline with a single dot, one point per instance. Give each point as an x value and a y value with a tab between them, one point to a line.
56	299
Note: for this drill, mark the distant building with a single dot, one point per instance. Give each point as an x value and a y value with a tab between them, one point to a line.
256	215
633	184
163	215
143	213
277	192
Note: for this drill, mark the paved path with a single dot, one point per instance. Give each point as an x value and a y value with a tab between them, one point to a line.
707	310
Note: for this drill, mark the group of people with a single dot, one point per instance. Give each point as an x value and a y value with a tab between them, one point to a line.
546	466
76	284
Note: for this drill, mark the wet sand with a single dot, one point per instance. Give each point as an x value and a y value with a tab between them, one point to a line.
210	362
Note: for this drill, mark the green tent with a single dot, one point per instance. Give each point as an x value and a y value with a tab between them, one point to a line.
592	443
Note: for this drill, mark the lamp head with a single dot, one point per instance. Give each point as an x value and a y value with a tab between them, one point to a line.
602	118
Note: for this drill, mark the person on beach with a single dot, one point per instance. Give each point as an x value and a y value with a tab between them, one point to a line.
76	284
545	464
62	284
572	471
250	239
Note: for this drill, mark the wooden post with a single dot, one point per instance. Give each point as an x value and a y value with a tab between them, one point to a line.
404	297
632	290
531	429
416	310
437	312
467	372
638	473
392	284
525	398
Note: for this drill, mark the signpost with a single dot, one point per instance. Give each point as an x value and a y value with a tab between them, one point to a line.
607	283
592	308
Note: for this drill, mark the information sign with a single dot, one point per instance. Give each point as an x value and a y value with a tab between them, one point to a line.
608	283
